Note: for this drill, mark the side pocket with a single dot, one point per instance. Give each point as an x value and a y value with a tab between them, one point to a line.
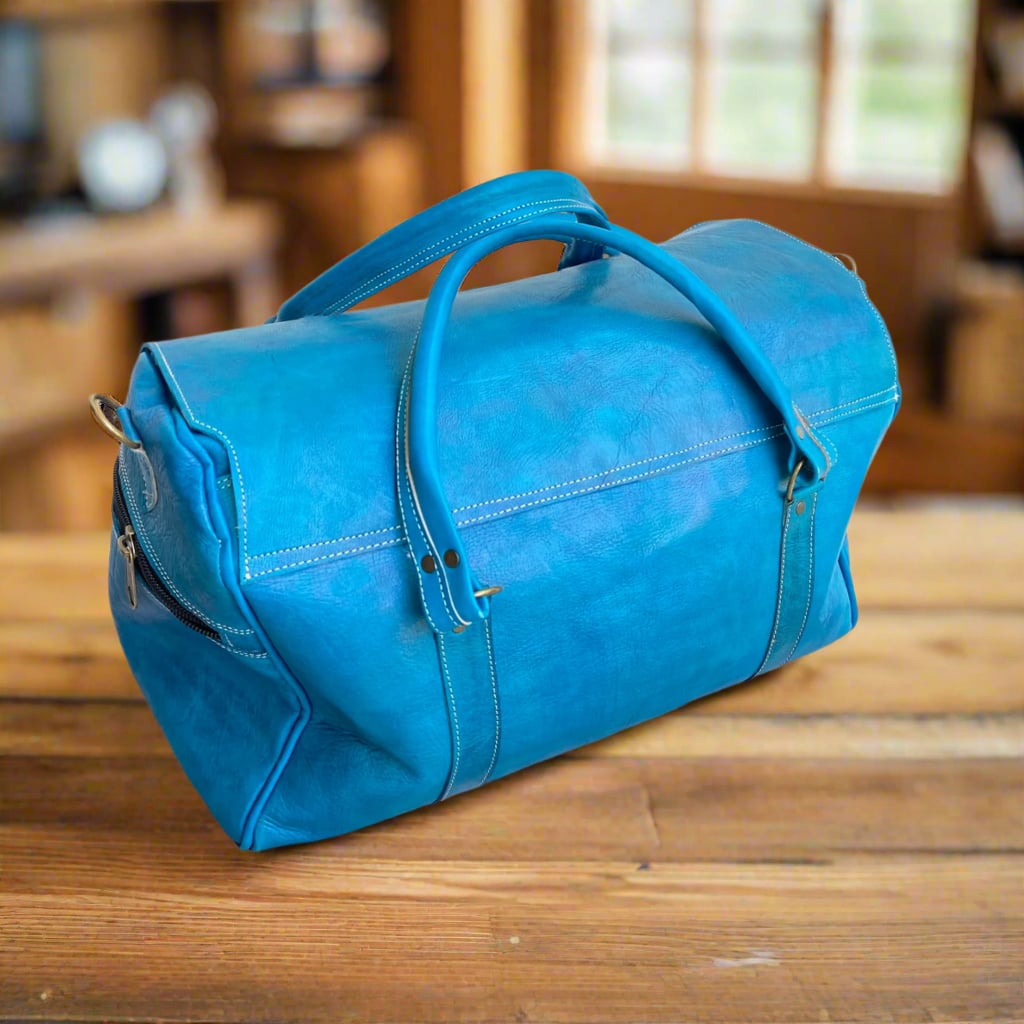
225	713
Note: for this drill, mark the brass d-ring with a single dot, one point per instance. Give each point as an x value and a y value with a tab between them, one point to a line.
487	592
791	484
846	258
104	412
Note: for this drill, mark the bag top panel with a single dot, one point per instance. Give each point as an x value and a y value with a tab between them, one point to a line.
551	386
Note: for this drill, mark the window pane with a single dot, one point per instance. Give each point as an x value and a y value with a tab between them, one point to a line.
664	22
945	23
648	109
638	86
899	109
792	23
762	82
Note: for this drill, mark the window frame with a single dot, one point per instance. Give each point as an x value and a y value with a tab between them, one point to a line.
568	85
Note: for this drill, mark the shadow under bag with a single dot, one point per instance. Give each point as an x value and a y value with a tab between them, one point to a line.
364	560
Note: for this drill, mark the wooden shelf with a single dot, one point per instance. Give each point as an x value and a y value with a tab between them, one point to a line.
39	10
133	253
930	451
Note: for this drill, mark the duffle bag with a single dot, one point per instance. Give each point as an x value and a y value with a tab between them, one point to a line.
364	560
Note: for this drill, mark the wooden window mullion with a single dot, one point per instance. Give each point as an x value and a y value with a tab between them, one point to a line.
826	71
698	85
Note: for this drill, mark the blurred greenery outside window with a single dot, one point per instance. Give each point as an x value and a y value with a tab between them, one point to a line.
857	93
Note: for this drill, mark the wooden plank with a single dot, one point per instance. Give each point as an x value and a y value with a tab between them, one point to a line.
893	662
921	938
823	737
74	659
572	809
939	556
73	729
54	577
902	662
93	729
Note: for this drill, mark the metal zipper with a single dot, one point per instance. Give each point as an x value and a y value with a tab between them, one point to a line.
137	564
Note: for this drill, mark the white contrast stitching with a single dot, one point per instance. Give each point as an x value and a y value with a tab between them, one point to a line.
781	591
854	401
614	469
810	433
455	718
614	482
460	237
227	440
417	513
867	300
530	504
241	653
224	483
326	558
858	411
398	484
831	447
810	583
622	480
494	694
139	523
815	418
326	543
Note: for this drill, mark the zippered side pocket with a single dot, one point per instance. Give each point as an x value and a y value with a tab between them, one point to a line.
138	565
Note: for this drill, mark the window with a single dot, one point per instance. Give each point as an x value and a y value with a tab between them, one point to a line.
861	93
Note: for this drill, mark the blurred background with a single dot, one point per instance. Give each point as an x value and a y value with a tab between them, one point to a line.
177	167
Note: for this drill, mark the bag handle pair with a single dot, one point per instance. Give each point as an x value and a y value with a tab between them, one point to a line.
440	230
453	598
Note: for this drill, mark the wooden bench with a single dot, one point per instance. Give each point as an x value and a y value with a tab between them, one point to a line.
842	841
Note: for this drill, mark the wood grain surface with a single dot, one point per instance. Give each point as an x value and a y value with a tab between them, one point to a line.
841	841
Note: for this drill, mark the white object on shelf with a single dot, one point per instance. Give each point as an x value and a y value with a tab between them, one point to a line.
1001	180
122	165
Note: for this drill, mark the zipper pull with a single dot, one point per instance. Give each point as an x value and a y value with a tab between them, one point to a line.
126	545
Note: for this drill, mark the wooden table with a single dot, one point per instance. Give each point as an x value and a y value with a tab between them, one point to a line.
843	841
155	250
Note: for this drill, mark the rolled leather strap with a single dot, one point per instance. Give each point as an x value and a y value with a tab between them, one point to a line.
440	230
451	594
796	578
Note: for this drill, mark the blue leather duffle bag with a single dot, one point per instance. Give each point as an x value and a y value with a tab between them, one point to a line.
364	560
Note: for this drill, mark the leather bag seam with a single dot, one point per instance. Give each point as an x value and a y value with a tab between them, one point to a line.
810	585
500	513
892	391
494	695
303	712
399	480
779	592
457	757
398	528
227	440
138	522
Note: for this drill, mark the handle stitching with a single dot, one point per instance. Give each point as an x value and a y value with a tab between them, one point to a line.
810	585
455	718
781	591
815	417
477	228
494	696
406	478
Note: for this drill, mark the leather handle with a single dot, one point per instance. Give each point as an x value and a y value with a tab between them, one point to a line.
450	592
441	230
